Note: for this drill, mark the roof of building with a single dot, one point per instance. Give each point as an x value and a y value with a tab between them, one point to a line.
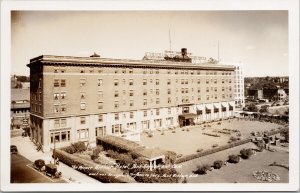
97	61
20	94
152	153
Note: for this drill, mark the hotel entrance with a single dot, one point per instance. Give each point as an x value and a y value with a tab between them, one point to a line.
187	119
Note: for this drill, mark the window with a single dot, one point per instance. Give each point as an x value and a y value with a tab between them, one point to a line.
157	92
176	72
207	97
222	80
216	96
157	100
100	82
207	81
157	111
192	72
82	133
215	81
56	96
82	82
229	80
169	82
131	103
55	70
131	93
116	104
82	95
182	90
199	98
116	116
182	81
169	91
198	81
82	70
151	71
198	72
144	81
131	82
223	88
56	123
63	95
145	102
116	71
131	115
116	128
145	113
169	72
145	92
63	83
100	118
130	71
100	95
116	93
169	110
56	82
157	72
145	71
91	69
157	81
124	81
56	108
223	96
207	89
124	70
100	105
100	70
63	108
198	90
116	82
230	88
186	81
82	120
82	106
216	89
63	122
169	100
186	90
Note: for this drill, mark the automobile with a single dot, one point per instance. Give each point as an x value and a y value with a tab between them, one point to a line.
51	171
39	165
13	149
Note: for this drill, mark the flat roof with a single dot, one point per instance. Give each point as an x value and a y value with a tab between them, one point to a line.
97	61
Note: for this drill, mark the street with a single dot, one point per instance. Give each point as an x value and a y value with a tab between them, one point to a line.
23	172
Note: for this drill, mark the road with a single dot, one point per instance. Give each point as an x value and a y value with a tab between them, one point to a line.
23	172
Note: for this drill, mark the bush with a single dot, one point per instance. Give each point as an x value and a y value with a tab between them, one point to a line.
150	135
215	145
79	146
96	152
187	130
218	164
173	131
162	133
234	159
69	149
246	153
199	150
170	157
202	169
261	145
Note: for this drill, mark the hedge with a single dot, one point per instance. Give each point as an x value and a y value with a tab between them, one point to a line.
106	174
211	151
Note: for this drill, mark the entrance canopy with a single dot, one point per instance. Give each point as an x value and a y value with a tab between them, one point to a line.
188	116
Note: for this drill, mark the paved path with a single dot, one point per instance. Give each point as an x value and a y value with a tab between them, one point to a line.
28	150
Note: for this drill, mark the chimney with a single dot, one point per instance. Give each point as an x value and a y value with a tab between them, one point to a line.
183	52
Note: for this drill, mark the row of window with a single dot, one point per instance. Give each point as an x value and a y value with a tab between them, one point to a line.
145	71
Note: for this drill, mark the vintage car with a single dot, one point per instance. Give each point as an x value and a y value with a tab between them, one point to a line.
39	165
51	170
13	149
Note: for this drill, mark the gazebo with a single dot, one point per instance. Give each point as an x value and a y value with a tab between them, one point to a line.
155	156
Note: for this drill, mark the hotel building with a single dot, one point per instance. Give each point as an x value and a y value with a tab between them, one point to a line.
79	98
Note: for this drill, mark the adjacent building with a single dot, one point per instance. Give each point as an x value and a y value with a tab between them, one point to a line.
79	98
19	108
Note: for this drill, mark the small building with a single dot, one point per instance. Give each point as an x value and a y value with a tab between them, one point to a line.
255	93
20	106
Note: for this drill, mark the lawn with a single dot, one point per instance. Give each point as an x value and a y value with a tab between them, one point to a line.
240	172
187	142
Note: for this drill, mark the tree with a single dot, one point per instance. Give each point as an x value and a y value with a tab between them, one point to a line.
264	109
252	107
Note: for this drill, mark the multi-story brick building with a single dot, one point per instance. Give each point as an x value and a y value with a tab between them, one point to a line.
78	98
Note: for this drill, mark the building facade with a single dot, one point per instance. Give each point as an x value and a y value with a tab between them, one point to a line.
79	98
19	108
239	85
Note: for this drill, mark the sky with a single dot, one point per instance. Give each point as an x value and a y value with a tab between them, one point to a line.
258	39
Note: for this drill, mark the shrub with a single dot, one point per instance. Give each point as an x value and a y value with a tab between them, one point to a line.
162	133
150	135
202	169
218	164
199	150
261	145
69	149
234	159
215	145
179	155
246	153
96	152
79	146
187	130
219	123
173	131
170	157
184	180
233	138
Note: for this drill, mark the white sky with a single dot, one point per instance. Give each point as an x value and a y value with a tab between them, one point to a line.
259	39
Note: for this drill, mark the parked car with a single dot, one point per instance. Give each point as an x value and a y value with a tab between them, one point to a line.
39	165
13	149
51	170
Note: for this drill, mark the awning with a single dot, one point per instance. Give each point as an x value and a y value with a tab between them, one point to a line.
217	105
200	107
208	106
188	115
224	104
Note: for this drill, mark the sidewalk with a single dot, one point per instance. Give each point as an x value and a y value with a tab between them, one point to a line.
27	149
